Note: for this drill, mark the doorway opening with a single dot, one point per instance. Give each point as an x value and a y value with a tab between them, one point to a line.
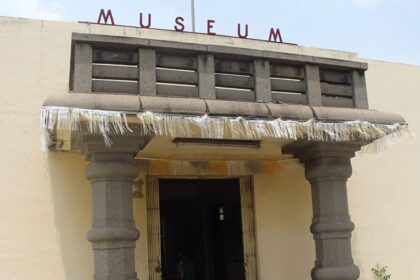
201	229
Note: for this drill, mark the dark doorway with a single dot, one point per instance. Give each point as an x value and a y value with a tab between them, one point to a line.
201	229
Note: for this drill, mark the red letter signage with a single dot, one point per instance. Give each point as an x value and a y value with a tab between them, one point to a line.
106	17
243	33
149	21
239	31
210	23
275	35
180	24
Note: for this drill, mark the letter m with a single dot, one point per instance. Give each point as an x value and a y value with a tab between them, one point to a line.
275	35
105	18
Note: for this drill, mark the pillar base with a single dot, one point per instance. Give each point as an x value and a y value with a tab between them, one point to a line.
344	272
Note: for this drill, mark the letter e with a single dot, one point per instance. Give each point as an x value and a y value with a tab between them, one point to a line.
210	23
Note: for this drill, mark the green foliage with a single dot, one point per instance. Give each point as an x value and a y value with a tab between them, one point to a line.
381	273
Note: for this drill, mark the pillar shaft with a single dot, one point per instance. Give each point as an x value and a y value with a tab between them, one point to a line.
113	234
327	168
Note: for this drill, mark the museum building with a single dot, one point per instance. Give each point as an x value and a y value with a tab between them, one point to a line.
166	154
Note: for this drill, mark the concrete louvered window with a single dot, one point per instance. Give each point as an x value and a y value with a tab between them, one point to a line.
134	66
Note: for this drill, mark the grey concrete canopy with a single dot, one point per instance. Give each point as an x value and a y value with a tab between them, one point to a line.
194	106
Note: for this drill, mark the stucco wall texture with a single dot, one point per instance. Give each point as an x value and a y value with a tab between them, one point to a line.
46	200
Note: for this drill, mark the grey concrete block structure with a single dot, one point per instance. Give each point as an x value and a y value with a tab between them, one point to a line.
175	69
313	85
206	79
262	80
147	71
82	71
359	90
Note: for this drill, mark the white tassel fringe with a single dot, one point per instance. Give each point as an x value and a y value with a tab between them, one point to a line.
112	122
70	119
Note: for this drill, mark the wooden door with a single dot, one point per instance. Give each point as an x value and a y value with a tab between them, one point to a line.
153	228
248	228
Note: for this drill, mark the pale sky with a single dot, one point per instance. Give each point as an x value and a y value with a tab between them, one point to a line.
376	29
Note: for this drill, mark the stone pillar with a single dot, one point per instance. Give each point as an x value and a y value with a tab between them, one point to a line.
327	168
113	235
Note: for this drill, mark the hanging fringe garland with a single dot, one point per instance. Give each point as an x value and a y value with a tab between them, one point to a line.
70	119
218	127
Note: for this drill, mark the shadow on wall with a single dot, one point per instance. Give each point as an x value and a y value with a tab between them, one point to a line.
72	202
283	215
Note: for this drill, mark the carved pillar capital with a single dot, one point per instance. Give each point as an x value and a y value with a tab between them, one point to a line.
327	168
95	144
110	166
323	160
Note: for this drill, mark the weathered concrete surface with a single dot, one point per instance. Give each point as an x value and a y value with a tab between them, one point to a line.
359	90
147	72
206	79
313	85
82	79
262	80
340	114
176	105
126	103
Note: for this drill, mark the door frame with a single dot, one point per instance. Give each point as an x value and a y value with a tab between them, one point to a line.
248	223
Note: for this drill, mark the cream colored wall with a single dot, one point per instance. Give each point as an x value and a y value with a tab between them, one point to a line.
283	215
384	190
45	200
383	195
